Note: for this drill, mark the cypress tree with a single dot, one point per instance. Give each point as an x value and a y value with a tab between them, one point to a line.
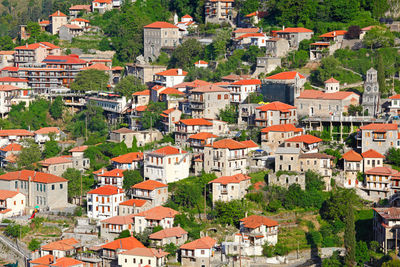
381	74
350	237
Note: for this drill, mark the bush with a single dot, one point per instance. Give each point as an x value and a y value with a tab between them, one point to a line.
34	244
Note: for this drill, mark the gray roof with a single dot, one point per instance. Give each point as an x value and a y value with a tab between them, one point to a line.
287	150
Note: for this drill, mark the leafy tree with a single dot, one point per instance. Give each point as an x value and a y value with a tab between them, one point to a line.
56	108
314	181
194	73
74	182
393	156
90	80
294	197
230	212
34	244
381	74
171	248
124	234
151	116
6	43
134	147
248	6
391	263
16	230
186	54
354	110
33	28
334	152
220	41
131	177
350	236
35	116
129	85
378	37
104	44
30	153
333	261
229	114
51	149
254	98
334	208
362	254
163	59
143	237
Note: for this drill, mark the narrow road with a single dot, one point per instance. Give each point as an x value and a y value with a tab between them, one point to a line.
18	249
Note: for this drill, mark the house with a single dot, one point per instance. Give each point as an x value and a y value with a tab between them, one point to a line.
259	230
395	105
225	157
103	202
372	159
306	142
49	260
57	19
61	248
174	235
110	228
12	95
123	135
171	97
377	136
287	159
201	139
110	251
295	35
14	135
275	113
56	165
316	103
143	71
138	257
318	162
234	78
159	36
132	206
276	47
198	252
273	136
242	31
201	64
187	127
220	11
155	92
257	39
385	227
101	6
170	78
185	25
169	119
17	82
69	31
378	182
78	158
284	87
240	90
41	189
227	188
331	41
29	53
168	164
83	23
207	101
154	192
12	203
6	59
8	154
142	137
75	10
140	98
129	161
157	216
114	177
43	134
352	165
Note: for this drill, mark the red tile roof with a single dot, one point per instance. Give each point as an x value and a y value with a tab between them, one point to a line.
134	202
331	80
12	147
202	243
172	72
380	126
128	158
192	84
255	221
334	33
63	245
4	194
106	190
287	75
276	106
168	111
209	88
246	30
144	92
351	155
97	66
123	130
382	171
123	243
247	82
78	149
294	30
202	136
46	22
38	177
372	154
120	220
17	132
199	121
67	262
157	213
321	43
316	94
58	13
171	91
49	45
234	179
64	60
201	62
249	143
12	79
45	260
47	130
113	173
149	185
169	150
160	25
55	160
7	87
227	143
187	16
80	7
305	138
103	1
169	232
28	47
146	252
281	128
81	19
249	35
141	108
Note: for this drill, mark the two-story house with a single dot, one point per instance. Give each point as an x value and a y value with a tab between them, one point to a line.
154	192
172	97
207	101
240	90
43	134
138	257
199	140
8	154
378	182
56	165
227	188
385	227
110	250
140	98
352	165
157	216
219	11
174	235
12	203
169	119
273	136
110	228
187	127
395	105
102	6
372	159
295	35
129	161
306	142
132	206
61	248
199	252
103	201
275	113
170	78
377	136
114	177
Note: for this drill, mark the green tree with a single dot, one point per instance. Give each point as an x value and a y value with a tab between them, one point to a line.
57	107
134	147
230	212
74	182
391	263
171	248
378	37
51	148
151	116
350	236
124	234
334	208
220	41
229	114
6	43
33	28
34	244
362	254
355	110
185	55
16	230
294	197
381	74
129	85
30	153
393	156
333	261
248	6
131	177
254	98
90	80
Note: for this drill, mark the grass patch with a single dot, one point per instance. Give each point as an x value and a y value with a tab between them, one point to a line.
290	237
258	176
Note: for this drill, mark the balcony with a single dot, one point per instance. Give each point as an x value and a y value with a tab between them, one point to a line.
197	106
141	195
379	137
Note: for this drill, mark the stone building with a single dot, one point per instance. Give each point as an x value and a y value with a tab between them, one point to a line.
157	36
57	19
287	159
276	47
143	71
378	136
371	96
154	192
352	165
174	235
219	11
207	101
275	113
380	183
273	136
157	216
295	35
385	227
227	188
197	253
286	180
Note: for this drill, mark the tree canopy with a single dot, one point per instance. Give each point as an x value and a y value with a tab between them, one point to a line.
129	85
90	80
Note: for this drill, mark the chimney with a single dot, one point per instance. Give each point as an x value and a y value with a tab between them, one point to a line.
283	27
334	34
179	71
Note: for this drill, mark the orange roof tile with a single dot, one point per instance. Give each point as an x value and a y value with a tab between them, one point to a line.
81	19
17	132
49	45
187	16
395	96
247	82
67	262
333	33
123	130
249	35
58	13
316	94
287	75
249	143
80	7
246	30
380	126
321	43
47	130
120	220
192	84
4	194
209	88
227	143
172	72
157	213
106	190
201	62
12	79
12	147
305	138
331	80
45	260
202	243
171	91
97	66
202	136
129	158
123	243
141	108
281	128
255	221
8	87
169	150
168	111
352	156
7	52
149	185
39	177
63	245
146	252
169	232
113	173
234	179
78	149
276	106
199	121
134	202
103	1
144	92
382	171
160	25
372	154
55	160
294	30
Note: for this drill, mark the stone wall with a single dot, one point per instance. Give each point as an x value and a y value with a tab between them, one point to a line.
286	180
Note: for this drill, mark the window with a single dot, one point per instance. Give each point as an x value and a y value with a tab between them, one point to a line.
202	252
16	184
53	187
219	97
61	186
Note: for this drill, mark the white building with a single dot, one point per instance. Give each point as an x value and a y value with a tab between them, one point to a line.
18	82
12	203
152	191
198	252
43	134
103	202
201	64
170	78
102	5
130	161
139	257
11	95
114	177
227	188
168	164
241	89
157	216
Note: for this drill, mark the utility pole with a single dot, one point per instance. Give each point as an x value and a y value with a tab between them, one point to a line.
80	201
205	202
396	244
86	126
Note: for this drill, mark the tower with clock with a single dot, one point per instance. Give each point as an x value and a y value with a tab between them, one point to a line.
371	96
